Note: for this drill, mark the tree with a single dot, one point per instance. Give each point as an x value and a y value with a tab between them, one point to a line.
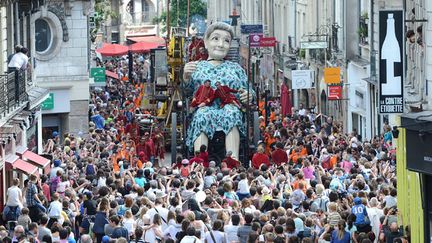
103	12
178	13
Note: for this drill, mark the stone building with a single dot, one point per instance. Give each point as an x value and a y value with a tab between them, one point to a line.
61	57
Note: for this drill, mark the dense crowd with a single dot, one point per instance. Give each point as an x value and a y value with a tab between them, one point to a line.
307	182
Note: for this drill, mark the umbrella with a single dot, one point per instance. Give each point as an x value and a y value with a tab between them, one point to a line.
143	47
113	50
148	39
111	74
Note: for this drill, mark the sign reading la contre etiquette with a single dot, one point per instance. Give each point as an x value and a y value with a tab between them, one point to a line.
301	79
391	41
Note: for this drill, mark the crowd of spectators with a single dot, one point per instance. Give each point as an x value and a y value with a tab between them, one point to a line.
307	182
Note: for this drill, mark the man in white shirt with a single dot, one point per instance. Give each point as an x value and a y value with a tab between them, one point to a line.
14	199
216	235
19	60
54	210
231	230
158	209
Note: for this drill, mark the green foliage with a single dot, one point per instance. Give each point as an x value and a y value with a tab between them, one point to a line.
302	53
178	13
103	12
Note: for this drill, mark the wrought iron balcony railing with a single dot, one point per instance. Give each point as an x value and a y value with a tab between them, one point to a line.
12	91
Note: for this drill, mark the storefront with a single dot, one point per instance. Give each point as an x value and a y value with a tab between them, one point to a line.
414	173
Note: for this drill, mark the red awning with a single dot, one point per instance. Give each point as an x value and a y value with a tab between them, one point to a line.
113	50
111	74
37	159
24	166
140	47
149	39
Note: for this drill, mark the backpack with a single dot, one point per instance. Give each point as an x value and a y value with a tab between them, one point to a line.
90	169
321	203
184	171
325	163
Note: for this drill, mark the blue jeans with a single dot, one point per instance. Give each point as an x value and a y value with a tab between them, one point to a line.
241	196
7	209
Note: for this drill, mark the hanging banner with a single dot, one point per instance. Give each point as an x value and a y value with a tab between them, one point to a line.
334	92
391	41
301	79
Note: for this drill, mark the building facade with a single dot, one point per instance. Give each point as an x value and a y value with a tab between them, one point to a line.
61	58
132	19
20	103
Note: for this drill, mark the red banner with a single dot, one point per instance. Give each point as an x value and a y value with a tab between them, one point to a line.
267	42
335	92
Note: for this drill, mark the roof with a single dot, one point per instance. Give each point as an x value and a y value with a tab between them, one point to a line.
36	96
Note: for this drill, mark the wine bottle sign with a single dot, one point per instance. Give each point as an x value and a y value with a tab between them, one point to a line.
391	61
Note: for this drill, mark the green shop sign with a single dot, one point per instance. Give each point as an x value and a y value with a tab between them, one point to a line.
48	104
98	74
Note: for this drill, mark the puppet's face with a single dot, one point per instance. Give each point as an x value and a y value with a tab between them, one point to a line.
218	44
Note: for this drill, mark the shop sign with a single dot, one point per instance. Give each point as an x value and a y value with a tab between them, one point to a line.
251	28
335	92
267	42
301	79
98	74
391	44
255	39
332	75
313	44
48	103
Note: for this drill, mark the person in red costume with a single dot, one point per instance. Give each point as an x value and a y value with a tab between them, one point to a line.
230	161
279	156
204	155
141	150
196	159
204	95
260	158
150	149
224	93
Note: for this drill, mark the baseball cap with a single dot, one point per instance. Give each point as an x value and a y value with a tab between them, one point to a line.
105	239
185	162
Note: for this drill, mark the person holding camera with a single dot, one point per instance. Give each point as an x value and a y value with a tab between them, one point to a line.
390	230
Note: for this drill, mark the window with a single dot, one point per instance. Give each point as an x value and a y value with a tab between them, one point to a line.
43	35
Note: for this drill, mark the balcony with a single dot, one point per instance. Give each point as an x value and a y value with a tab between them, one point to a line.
13	95
143	17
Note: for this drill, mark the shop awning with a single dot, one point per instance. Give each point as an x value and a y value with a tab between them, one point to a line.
23	166
111	74
149	39
37	159
33	158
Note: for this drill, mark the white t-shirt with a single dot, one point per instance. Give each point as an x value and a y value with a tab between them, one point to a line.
14	195
220	237
243	186
163	213
55	209
19	61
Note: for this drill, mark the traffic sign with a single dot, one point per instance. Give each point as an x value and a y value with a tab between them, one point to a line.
267	42
98	74
251	28
48	103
